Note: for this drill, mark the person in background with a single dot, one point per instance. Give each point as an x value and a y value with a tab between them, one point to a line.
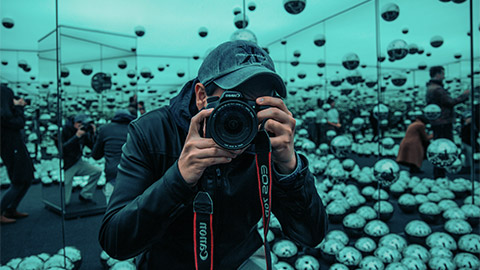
15	155
333	117
413	145
77	133
110	139
437	94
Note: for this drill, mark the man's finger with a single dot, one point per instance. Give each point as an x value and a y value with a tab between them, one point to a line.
274	102
197	122
214	152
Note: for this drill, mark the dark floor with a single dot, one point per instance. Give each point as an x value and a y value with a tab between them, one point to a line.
42	230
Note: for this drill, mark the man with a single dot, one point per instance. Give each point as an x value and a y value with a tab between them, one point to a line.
14	154
77	133
166	160
333	118
108	143
437	94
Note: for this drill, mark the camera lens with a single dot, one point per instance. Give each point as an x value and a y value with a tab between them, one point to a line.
233	124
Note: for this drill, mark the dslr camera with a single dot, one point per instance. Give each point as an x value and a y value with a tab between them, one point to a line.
87	125
233	123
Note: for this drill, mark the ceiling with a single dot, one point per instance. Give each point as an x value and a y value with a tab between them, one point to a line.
171	39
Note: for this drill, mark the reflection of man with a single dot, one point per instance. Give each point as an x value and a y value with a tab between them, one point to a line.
437	94
77	133
333	117
14	155
167	161
108	144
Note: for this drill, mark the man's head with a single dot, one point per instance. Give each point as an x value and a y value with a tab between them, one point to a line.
81	120
331	101
437	73
238	65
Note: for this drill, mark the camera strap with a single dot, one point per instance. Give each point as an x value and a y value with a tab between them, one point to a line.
203	207
203	230
263	160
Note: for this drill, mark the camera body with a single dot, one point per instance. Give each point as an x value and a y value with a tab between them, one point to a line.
233	123
87	126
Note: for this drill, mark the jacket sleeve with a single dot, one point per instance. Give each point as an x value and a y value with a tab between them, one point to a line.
299	208
98	147
69	143
447	101
12	116
141	207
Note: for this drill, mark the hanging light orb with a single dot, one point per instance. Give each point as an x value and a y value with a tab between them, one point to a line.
139	31
8	23
87	69
244	34
390	12
351	61
240	22
294	6
202	32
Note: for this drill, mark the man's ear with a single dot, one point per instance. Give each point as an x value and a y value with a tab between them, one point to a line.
200	96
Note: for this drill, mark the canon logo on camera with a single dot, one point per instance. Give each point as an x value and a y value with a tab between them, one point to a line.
232	95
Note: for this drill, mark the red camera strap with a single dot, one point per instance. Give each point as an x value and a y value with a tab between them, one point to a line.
203	208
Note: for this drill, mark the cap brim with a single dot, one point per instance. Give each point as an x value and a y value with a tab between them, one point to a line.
239	76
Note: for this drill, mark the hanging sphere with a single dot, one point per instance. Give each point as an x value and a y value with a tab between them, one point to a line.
202	32
348	164
8	23
139	31
436	41
341	146
239	22
252	6
319	40
87	69
244	34
412	48
405	30
131	74
354	77
321	63
161	68
399	79
122	64
397	49
4	62
442	152
336	81
457	55
237	11
297	53
381	58
64	72
370	82
390	12
432	112
294	6
146	73
456	166
180	73
350	61
380	111
422	66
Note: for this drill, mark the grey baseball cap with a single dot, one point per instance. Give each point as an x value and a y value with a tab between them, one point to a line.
232	63
82	118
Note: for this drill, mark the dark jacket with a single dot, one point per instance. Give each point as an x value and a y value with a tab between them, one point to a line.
109	142
436	94
14	153
72	145
413	146
150	212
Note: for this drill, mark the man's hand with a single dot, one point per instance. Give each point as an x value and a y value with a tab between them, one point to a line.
19	102
80	132
282	124
198	153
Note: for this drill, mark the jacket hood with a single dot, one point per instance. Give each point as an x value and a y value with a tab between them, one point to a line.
123	117
183	106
